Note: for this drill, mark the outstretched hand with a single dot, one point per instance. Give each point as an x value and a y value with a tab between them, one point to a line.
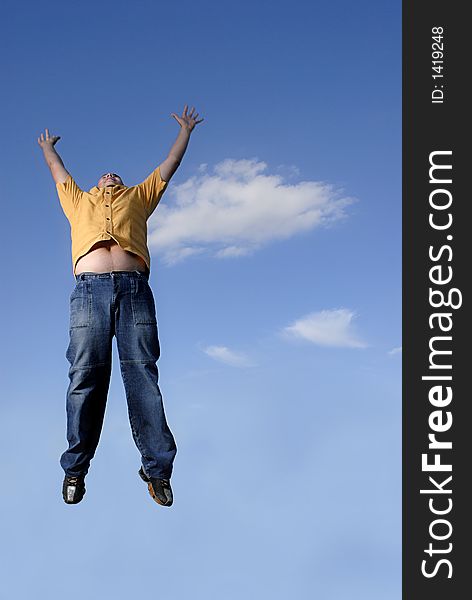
187	121
45	139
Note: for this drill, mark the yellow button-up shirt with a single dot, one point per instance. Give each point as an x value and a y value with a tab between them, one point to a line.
115	212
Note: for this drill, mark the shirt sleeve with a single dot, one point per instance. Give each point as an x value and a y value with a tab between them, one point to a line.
69	195
151	190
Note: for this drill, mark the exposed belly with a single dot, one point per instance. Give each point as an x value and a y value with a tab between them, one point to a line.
106	256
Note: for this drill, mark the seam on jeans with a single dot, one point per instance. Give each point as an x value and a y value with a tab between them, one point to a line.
151	362
91	366
133	293
137	439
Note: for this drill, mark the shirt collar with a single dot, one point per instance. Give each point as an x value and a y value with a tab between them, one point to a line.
96	190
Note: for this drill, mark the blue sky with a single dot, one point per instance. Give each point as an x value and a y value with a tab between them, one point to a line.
275	264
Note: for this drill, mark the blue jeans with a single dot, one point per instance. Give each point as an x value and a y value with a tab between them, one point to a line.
102	305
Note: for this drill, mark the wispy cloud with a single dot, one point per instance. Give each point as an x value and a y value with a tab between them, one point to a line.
227	356
238	208
327	328
394	351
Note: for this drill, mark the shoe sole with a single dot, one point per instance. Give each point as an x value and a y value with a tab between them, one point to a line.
145	478
68	496
74	502
154	497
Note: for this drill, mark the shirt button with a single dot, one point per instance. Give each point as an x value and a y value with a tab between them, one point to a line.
108	218
107	205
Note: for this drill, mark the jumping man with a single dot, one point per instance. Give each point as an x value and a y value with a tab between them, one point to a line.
112	297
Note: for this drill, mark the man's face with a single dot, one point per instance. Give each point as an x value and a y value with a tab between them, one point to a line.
109	179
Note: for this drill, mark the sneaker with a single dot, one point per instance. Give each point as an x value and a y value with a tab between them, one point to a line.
73	489
160	489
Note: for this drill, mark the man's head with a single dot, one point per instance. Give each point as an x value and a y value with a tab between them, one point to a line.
109	179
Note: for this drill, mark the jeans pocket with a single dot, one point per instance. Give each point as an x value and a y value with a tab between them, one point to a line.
80	306
142	303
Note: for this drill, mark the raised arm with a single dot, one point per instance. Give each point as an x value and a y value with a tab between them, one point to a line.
187	123
52	158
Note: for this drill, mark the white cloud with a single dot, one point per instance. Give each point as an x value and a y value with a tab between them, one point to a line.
227	356
327	328
395	350
238	208
288	170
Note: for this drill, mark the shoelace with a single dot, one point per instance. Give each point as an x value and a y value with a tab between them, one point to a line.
72	480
